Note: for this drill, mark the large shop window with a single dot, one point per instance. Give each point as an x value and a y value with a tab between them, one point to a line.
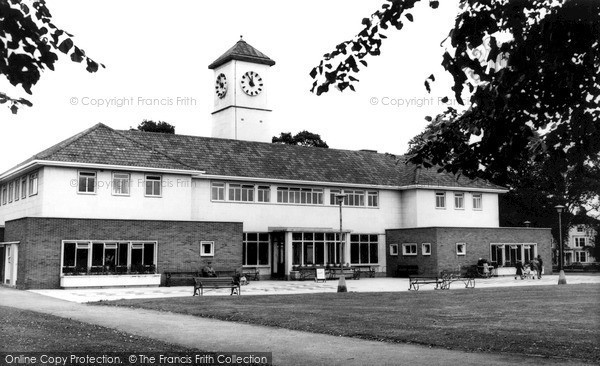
116	257
256	249
507	254
315	248
364	249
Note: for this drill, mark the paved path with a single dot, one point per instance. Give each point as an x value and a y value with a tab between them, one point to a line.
288	347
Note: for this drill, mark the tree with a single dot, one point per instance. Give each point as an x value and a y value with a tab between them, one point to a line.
159	127
528	70
29	44
302	138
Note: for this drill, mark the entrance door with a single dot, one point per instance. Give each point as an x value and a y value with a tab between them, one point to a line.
278	255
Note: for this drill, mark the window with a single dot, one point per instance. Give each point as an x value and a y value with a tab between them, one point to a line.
263	194
364	249
354	198
109	257
207	248
33	184
10	192
315	248
459	201
153	185
394	249
440	200
580	256
23	187
477	200
409	249
4	194
373	199
580	229
241	192
86	182
303	196
579	242
121	184
426	248
17	189
507	254
461	249
255	249
218	192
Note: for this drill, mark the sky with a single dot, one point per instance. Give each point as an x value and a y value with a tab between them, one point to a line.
157	51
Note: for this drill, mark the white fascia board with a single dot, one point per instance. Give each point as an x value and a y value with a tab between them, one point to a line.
453	188
35	163
295	182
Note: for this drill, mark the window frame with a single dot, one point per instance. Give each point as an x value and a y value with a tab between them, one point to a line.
151	178
33	183
24	187
459	197
423	246
17	191
11	191
261	243
407	253
460	252
218	188
4	193
211	253
94	184
263	194
477	197
373	199
578	240
441	195
394	250
120	179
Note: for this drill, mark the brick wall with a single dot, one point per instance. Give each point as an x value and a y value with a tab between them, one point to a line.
178	243
443	241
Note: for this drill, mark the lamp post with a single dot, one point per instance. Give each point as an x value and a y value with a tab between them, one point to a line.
342	282
527	223
562	280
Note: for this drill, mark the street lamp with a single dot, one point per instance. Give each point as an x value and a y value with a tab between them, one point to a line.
527	223
562	280
342	282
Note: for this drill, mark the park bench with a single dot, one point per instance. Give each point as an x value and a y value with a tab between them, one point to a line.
365	270
415	281
201	283
466	276
406	270
251	273
188	276
347	272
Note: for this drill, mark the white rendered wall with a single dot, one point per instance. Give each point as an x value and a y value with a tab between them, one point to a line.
63	200
31	206
428	215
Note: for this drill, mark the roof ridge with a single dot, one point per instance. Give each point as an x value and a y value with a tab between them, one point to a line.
152	148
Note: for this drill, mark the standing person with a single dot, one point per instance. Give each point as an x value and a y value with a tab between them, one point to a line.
534	268
519	273
540	266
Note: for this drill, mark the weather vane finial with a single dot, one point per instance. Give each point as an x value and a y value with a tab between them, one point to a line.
241	36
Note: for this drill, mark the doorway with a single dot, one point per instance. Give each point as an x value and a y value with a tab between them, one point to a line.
278	255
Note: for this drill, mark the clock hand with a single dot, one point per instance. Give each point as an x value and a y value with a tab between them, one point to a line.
251	81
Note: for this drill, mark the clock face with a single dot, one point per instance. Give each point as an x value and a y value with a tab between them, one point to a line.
252	83
221	86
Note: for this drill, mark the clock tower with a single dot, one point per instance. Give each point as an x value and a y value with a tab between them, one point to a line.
241	111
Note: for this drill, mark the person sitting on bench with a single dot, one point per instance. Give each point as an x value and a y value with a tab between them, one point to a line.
208	271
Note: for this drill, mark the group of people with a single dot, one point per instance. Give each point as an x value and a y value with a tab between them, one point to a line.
531	269
209	271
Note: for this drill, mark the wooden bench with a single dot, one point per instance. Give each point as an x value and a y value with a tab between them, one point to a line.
407	270
251	273
348	273
466	276
366	270
415	281
173	275
200	283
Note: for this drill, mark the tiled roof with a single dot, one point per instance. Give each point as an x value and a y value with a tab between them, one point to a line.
246	159
242	51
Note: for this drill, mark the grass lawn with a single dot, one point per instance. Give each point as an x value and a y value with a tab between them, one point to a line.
551	321
28	331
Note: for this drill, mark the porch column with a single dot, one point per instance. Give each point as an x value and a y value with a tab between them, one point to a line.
288	253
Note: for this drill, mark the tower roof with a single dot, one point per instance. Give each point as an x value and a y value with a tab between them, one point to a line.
242	51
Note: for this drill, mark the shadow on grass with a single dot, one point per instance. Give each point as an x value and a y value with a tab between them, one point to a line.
549	321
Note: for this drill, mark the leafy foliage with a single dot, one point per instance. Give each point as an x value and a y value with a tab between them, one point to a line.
29	42
159	127
530	72
303	138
